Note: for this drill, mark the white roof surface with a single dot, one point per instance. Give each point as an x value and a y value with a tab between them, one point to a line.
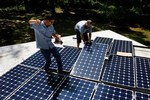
12	55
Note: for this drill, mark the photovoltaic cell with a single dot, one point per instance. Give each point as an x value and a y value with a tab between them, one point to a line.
13	79
90	62
106	92
121	46
119	70
103	40
142	96
36	60
38	88
69	56
143	72
74	89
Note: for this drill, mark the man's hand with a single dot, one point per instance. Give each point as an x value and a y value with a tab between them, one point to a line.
38	21
57	38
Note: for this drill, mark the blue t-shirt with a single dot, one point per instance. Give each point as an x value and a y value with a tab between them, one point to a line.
81	27
43	35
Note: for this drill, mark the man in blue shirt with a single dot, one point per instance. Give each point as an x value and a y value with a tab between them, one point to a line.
44	30
82	28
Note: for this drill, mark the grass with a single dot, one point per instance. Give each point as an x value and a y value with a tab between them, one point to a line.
15	29
146	32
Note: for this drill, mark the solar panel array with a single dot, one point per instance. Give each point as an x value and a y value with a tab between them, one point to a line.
121	46
69	56
90	62
92	76
119	70
103	40
13	79
106	92
38	88
143	72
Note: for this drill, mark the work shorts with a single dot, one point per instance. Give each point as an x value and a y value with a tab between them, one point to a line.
78	35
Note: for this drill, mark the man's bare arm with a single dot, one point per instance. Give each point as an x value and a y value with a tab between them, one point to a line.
82	37
32	21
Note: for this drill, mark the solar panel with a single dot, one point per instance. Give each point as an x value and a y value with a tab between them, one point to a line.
119	70
143	72
40	87
13	79
36	60
103	40
69	56
121	46
74	89
142	96
90	62
106	92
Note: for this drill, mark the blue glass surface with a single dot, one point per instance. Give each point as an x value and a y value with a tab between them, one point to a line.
121	46
37	59
143	72
103	40
40	87
13	79
90	61
119	70
69	56
74	89
106	92
142	96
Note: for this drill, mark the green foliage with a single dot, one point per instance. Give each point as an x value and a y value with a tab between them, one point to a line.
105	13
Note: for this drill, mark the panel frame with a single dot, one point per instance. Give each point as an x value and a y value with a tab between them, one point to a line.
136	72
72	72
114	49
114	83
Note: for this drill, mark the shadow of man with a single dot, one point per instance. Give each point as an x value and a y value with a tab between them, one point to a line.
65	86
